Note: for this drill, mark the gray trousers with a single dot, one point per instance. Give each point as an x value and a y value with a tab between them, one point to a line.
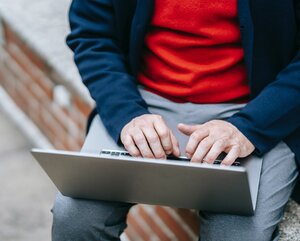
86	220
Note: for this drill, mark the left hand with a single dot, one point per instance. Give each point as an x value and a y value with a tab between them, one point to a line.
209	140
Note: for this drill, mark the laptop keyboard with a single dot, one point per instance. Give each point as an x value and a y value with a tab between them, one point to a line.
169	157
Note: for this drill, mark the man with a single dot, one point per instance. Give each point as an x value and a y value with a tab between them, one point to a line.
224	73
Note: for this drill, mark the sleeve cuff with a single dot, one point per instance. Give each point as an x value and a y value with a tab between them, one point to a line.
261	143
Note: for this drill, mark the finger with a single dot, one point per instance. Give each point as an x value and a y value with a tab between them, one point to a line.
232	155
142	144
131	147
202	149
176	151
187	129
154	143
164	134
217	148
194	141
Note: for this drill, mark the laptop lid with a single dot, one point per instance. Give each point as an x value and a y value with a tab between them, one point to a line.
158	182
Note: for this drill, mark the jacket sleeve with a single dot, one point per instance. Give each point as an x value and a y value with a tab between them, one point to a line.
274	113
102	64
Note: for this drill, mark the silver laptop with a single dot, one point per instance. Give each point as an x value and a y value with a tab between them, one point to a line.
116	176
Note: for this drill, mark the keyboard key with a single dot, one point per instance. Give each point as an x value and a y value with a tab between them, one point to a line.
175	158
236	164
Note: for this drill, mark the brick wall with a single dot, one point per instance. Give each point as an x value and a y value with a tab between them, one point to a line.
32	84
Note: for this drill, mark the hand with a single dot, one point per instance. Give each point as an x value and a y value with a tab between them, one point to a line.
209	140
149	136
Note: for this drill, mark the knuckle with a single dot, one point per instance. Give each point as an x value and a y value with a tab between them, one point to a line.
196	158
134	153
148	154
127	143
139	140
189	149
164	134
237	149
213	122
125	132
160	154
168	147
236	139
222	143
153	139
205	144
195	136
209	159
158	117
135	120
139	122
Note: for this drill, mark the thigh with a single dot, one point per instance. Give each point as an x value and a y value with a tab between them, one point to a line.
80	219
278	177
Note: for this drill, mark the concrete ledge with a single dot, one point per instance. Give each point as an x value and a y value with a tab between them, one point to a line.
290	225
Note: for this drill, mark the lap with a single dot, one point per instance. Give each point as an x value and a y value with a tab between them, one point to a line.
278	175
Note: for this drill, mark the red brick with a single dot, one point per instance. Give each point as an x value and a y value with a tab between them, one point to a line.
59	145
59	115
33	71
39	93
155	227
72	144
57	132
25	97
190	219
133	222
83	107
13	38
79	118
64	120
15	70
172	224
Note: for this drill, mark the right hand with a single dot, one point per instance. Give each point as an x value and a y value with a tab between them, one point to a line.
149	136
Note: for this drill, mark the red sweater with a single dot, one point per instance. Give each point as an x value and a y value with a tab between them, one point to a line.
193	52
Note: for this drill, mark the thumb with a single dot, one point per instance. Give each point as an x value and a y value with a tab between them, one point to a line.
187	129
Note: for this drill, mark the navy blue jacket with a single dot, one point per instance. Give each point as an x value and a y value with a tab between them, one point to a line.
107	37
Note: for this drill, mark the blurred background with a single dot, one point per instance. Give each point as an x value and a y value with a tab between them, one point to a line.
43	104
